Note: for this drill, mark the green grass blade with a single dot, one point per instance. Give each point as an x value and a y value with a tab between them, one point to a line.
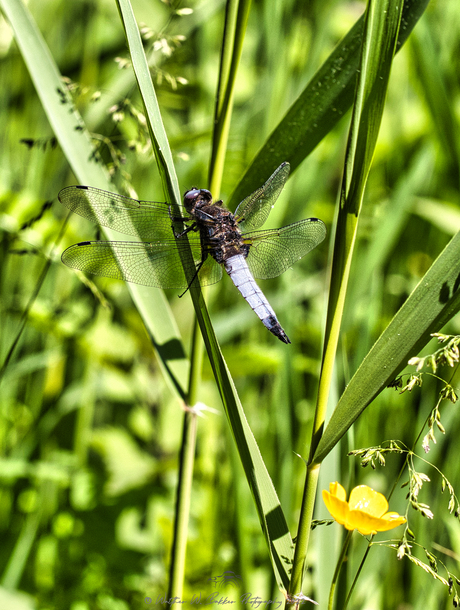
77	147
271	516
270	513
155	123
64	119
381	25
425	57
236	19
379	43
158	135
324	101
171	188
435	300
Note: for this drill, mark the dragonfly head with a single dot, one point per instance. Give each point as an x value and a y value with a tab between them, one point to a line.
195	196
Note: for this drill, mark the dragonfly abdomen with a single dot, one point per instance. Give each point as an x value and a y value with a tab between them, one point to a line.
237	268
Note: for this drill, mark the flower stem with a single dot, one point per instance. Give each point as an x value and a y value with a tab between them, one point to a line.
338	567
303	533
361	565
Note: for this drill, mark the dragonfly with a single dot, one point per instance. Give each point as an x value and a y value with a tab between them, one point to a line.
177	250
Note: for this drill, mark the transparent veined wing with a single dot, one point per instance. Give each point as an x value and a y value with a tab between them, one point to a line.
273	251
157	264
149	219
253	211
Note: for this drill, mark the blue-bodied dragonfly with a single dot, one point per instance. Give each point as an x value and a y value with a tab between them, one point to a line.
216	237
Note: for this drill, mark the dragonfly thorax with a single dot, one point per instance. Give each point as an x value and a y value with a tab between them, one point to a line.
220	235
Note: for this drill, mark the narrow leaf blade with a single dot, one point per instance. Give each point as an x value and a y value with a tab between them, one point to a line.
435	300
320	106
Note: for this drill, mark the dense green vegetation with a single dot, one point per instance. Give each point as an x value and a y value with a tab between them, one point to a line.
95	375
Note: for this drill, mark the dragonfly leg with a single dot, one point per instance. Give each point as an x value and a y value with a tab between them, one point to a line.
198	267
174	219
192	227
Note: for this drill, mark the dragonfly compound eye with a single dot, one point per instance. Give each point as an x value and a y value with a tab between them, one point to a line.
192	194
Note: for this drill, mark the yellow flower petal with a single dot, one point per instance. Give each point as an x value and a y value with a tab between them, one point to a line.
335	502
391	520
337	490
363	522
366	510
368	500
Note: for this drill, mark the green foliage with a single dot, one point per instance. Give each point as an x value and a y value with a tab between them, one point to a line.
91	416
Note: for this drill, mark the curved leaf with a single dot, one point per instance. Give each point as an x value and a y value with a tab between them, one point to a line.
319	107
76	144
435	300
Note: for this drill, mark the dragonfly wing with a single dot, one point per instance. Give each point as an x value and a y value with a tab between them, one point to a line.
273	251
210	272
253	211
149	220
157	264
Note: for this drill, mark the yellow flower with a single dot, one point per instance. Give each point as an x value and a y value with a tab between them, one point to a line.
365	511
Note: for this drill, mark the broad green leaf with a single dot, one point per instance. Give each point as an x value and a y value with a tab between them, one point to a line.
435	300
319	107
76	144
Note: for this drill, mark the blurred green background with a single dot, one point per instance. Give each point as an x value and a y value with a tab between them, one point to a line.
89	428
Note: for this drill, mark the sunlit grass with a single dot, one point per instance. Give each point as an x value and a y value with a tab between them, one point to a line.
83	401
